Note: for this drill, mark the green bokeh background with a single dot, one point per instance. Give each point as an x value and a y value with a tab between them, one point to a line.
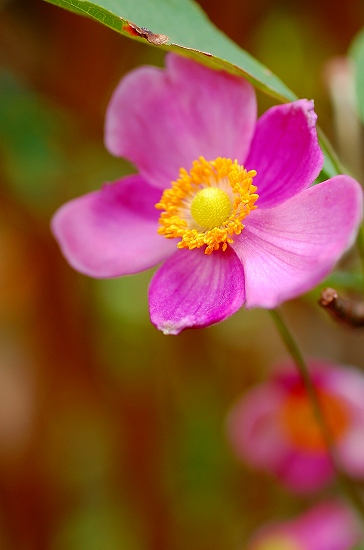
112	435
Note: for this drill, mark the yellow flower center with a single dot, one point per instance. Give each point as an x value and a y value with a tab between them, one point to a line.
211	207
207	205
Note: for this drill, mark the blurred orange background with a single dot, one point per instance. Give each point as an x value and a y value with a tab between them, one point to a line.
112	434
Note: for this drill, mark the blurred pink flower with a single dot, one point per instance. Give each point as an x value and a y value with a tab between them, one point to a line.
222	246
273	426
328	526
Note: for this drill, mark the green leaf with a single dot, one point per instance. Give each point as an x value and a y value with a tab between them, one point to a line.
356	53
180	26
350	281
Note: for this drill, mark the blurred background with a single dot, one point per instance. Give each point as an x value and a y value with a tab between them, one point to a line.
112	436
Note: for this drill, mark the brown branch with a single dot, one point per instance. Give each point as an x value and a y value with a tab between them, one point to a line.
349	312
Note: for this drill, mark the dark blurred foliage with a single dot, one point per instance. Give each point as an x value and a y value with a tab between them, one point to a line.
111	434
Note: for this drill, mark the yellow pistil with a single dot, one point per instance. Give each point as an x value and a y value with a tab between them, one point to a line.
206	206
211	207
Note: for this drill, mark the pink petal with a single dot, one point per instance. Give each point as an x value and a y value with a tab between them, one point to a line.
113	231
194	290
285	152
162	120
351	451
348	383
253	429
257	437
288	249
328	526
304	473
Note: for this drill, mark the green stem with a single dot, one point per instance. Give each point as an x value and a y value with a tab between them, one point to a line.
360	246
330	154
346	482
295	353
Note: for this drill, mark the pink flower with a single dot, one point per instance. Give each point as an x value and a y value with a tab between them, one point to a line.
221	245
273	427
328	526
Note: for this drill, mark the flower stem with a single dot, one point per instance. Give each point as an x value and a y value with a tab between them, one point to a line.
360	246
347	484
334	165
294	351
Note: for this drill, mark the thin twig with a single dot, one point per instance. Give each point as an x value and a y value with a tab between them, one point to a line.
344	310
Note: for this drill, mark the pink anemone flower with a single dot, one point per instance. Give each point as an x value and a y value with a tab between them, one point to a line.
273	426
222	199
327	526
